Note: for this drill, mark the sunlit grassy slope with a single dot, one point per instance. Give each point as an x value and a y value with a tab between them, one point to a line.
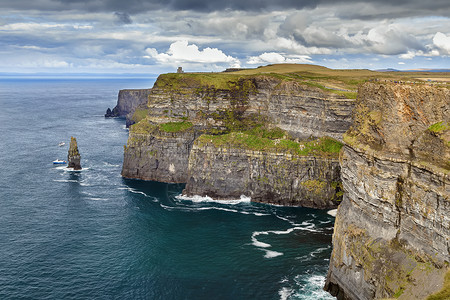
347	79
344	82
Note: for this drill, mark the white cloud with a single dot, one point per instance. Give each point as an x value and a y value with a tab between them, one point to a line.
408	55
442	42
181	52
401	63
277	58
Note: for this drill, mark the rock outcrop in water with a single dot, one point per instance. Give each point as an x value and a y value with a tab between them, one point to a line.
131	104
281	120
392	230
73	157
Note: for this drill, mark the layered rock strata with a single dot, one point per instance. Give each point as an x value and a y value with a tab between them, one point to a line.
157	155
235	104
73	157
303	111
128	101
392	230
226	172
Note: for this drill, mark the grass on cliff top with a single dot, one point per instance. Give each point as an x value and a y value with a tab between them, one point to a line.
324	146
145	127
176	81
341	82
175	126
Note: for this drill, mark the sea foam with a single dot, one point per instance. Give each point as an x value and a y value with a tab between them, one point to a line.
198	199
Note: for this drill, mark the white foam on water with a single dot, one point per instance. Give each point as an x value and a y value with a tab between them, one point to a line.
65	180
131	190
272	254
313	289
197	199
257	243
332	212
285	293
184	208
98	199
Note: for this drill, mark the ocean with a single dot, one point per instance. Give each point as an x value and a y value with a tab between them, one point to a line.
95	235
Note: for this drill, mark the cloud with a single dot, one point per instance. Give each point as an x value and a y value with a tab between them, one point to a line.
408	55
181	52
277	58
122	18
365	9
442	42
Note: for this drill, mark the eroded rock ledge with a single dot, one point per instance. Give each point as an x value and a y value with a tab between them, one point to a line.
392	230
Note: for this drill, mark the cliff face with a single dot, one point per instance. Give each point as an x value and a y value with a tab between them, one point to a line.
303	111
154	154
224	172
128	102
182	107
392	230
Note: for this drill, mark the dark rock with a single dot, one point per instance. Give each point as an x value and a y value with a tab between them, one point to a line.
74	157
127	103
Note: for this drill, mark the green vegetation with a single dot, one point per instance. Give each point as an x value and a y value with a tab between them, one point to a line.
314	186
439	127
324	146
399	292
177	81
143	126
340	82
444	293
139	114
175	126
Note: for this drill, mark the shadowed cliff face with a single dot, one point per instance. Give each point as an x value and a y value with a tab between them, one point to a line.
392	229
227	104
128	102
265	176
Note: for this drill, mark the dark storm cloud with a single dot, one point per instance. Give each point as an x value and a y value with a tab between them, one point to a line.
122	18
406	7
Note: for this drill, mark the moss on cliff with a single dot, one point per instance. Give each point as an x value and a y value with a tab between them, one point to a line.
175	126
439	127
146	127
139	114
323	147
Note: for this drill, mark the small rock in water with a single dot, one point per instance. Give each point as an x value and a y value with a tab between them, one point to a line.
74	157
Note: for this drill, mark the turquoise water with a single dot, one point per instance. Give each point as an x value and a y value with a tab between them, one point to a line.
95	235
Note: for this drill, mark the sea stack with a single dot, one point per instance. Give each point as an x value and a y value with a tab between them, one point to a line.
74	157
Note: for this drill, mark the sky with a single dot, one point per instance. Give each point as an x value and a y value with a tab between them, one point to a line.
157	36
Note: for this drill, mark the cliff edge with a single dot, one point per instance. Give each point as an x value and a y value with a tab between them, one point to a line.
131	104
285	131
392	230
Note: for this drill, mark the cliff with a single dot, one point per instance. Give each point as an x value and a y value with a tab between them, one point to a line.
131	104
73	156
226	167
166	145
302	110
158	152
392	230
